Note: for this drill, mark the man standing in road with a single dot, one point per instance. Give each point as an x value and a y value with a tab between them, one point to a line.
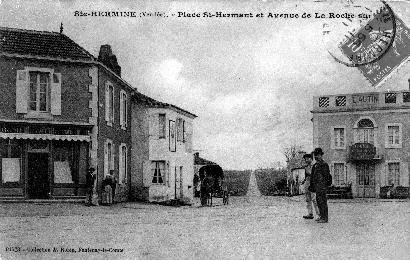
319	183
310	196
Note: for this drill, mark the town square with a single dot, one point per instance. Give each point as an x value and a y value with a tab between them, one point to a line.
252	129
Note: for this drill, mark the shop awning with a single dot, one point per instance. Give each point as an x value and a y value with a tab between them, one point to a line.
80	138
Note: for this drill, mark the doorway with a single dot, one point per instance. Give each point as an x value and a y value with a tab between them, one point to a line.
38	179
365	180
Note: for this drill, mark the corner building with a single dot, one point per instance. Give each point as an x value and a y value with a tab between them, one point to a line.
366	140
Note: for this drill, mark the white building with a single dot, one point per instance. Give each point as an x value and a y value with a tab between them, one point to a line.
162	165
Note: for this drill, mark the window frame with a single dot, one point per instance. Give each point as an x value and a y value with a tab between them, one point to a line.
110	161
398	178
333	138
110	103
344	174
400	136
161	175
123	109
123	168
49	98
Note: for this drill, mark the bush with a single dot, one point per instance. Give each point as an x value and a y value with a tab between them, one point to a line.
237	182
271	181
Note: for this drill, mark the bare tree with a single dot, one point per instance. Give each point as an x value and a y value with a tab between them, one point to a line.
292	151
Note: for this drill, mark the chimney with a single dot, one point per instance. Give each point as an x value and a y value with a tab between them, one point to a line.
108	59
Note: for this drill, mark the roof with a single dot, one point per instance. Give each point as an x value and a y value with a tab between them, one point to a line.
41	43
201	161
150	102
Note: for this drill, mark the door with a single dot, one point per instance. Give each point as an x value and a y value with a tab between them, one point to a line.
365	180
38	181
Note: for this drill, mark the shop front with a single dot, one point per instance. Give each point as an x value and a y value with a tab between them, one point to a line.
43	161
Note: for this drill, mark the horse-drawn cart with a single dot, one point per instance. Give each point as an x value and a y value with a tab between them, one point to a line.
213	185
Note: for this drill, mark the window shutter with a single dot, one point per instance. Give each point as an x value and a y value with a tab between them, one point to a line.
167	173
121	109
113	156
125	110
188	142
107	103
56	94
153	125
21	91
404	174
146	173
120	165
383	176
106	158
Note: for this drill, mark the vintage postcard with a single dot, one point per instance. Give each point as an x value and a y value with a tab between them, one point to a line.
204	129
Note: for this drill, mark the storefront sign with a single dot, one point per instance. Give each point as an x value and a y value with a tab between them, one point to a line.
11	129
362	151
365	99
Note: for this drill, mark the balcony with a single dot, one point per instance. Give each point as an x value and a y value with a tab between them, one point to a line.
361	101
363	152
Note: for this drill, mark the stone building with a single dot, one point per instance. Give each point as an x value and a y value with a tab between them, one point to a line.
61	111
365	139
162	163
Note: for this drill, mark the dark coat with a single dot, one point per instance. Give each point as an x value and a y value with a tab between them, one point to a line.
89	180
318	178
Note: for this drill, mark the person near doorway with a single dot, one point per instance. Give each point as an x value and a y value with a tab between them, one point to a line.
90	181
319	183
310	196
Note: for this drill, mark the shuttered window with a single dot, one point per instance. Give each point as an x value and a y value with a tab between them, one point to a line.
38	90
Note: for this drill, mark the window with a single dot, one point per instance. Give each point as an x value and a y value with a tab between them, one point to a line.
393	136
162	125
123	167
39	89
123	109
393	174
38	92
108	157
158	171
339	176
11	154
109	103
406	97
339	137
365	131
64	162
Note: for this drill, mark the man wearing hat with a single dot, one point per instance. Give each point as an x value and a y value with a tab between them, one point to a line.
318	184
90	181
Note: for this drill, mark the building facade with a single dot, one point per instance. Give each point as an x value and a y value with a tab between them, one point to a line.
47	115
366	140
162	164
61	111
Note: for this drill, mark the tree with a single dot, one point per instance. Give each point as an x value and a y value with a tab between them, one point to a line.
292	151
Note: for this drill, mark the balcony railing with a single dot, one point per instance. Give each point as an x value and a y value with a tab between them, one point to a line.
363	152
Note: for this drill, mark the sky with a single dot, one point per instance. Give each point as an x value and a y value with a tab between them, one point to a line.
250	81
